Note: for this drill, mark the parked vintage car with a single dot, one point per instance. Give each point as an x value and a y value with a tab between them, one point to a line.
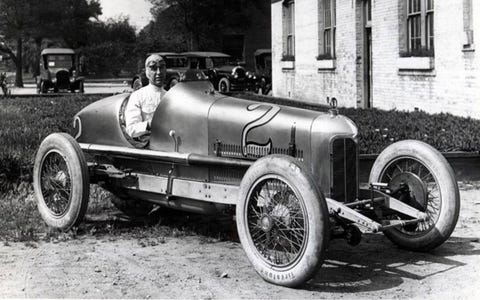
263	71
289	174
224	73
176	67
58	71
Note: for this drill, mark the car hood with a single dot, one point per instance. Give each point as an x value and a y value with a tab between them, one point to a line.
56	70
226	68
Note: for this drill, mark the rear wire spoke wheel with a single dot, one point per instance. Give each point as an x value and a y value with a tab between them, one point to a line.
61	181
282	220
429	185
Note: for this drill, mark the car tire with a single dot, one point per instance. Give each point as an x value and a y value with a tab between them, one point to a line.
61	181
81	87
42	89
172	83
290	198
431	182
224	85
137	84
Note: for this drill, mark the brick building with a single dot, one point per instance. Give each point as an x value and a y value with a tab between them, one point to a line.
402	54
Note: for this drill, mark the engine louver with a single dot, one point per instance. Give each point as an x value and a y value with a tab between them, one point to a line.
344	170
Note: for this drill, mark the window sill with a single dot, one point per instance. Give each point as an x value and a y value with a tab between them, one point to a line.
287	64
468	48
326	64
416	63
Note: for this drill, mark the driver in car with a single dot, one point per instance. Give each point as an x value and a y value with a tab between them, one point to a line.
143	102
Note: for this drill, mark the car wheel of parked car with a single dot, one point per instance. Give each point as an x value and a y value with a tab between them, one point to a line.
42	89
81	87
172	83
282	220
224	85
61	181
424	180
137	84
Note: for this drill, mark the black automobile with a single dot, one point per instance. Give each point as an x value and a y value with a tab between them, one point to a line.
176	67
58	71
224	73
263	71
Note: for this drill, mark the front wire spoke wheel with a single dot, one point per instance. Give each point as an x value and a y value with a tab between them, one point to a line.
284	239
422	192
419	176
282	220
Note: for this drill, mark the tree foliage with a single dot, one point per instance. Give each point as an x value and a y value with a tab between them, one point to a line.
198	23
24	20
110	46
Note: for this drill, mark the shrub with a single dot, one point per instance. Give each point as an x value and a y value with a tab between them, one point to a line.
380	128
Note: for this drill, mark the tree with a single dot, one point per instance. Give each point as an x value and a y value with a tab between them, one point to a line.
110	46
200	21
21	20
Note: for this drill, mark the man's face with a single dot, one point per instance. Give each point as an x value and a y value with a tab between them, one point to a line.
155	70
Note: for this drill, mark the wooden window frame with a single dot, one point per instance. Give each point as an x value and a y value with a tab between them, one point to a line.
420	32
289	30
327	30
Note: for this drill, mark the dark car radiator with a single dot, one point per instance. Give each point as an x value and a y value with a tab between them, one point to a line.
343	186
63	79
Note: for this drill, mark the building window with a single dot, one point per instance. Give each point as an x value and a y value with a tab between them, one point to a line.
420	31
289	30
327	27
468	44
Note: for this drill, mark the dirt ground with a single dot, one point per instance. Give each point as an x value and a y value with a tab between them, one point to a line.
130	265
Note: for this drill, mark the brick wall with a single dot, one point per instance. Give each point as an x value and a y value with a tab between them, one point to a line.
453	85
306	82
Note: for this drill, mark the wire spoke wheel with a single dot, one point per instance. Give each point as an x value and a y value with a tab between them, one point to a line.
423	191
276	222
282	220
61	181
419	176
56	183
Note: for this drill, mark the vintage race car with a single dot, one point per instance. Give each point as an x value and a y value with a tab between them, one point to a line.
290	175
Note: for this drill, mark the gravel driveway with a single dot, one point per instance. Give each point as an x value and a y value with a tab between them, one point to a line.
131	265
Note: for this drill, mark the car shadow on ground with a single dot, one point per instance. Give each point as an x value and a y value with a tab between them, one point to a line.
374	264
377	264
168	221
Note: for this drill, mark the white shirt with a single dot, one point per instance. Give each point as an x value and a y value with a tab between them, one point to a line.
140	109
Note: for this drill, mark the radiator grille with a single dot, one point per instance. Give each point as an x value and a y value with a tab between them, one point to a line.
344	170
